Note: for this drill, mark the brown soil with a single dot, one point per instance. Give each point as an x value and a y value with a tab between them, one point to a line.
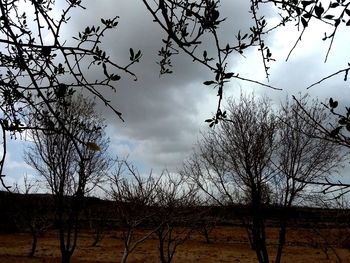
229	244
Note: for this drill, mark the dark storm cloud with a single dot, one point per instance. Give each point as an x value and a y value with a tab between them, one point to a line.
163	115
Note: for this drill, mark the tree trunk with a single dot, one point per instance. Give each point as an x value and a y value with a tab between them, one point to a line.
161	248
125	256
259	239
98	236
206	235
66	256
34	242
281	240
258	228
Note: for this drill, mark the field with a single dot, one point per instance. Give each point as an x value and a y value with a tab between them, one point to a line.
228	244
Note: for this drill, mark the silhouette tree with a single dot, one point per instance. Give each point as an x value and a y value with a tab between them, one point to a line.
258	156
34	214
303	157
135	197
71	168
176	216
39	65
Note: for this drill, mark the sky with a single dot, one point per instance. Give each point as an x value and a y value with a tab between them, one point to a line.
164	115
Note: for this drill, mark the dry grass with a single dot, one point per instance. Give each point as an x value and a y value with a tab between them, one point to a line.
228	245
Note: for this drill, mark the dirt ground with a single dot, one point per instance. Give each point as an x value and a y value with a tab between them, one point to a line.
228	244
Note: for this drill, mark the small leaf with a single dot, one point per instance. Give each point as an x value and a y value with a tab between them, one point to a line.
304	22
115	77
217	77
336	22
138	54
347	11
131	54
348	127
343	121
205	54
307	15
328	17
209	82
319	10
333	103
306	3
215	14
229	75
335	132
105	69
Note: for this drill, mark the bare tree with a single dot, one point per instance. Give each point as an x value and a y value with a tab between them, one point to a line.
175	217
135	197
39	64
33	211
257	154
206	224
233	163
71	168
303	157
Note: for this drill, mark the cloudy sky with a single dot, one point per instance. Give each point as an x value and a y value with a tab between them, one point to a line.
164	115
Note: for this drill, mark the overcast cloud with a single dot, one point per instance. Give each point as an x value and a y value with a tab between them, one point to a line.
164	115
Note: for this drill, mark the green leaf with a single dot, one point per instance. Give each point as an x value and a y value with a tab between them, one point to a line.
328	17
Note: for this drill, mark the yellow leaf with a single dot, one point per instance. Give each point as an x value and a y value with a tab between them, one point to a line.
93	146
